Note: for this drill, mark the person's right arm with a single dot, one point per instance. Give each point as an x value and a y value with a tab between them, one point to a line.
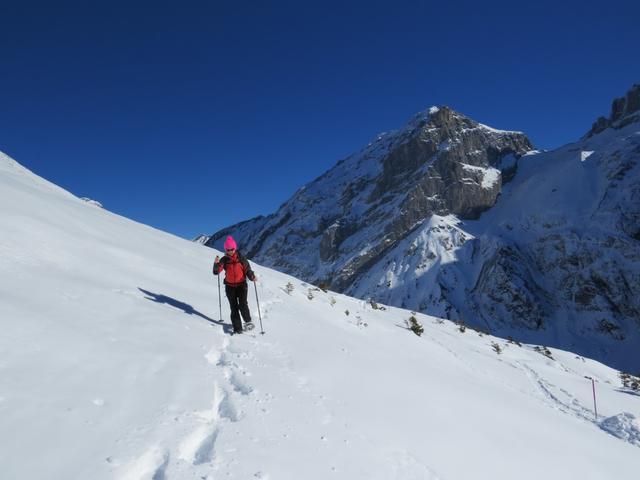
218	266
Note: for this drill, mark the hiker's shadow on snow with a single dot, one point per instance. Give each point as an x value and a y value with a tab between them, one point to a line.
185	307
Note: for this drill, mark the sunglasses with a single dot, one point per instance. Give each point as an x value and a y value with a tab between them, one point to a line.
229	249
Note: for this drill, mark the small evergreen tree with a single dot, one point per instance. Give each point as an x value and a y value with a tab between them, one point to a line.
496	348
625	379
415	326
289	288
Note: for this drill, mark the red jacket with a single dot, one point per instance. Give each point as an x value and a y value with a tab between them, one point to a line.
236	269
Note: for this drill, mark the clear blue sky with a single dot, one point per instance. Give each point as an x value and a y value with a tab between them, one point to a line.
190	116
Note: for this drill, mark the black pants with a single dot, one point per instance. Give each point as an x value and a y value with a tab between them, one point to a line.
237	296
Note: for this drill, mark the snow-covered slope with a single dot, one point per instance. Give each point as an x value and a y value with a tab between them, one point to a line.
114	364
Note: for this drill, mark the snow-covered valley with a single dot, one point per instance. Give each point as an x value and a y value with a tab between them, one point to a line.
114	364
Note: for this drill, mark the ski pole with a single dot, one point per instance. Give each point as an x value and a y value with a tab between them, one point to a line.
258	302
219	297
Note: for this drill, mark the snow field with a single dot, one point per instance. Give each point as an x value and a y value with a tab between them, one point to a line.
114	364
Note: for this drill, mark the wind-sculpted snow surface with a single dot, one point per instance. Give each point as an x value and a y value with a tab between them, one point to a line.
114	364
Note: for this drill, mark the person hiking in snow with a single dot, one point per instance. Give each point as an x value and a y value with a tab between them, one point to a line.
237	269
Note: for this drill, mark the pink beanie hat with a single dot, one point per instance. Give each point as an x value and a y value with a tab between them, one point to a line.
230	243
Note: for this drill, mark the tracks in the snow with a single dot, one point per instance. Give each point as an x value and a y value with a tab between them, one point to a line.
197	446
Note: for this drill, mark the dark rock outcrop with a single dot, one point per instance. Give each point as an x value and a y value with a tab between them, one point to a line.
624	110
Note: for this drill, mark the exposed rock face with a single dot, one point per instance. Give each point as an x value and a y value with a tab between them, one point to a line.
92	202
578	276
335	228
202	239
624	110
423	218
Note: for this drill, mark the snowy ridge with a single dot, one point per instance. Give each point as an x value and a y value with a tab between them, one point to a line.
495	130
20	174
113	364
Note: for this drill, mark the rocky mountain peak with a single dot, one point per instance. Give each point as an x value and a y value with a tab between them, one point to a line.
440	162
435	117
624	110
446	117
443	118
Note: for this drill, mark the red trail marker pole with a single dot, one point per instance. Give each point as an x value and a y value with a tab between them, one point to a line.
593	387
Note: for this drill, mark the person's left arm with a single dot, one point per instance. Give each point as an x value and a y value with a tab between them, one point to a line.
247	270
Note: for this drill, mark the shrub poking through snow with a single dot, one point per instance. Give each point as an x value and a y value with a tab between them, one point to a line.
624	378
630	381
415	326
543	351
496	348
375	305
289	288
511	340
310	294
462	327
346	312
